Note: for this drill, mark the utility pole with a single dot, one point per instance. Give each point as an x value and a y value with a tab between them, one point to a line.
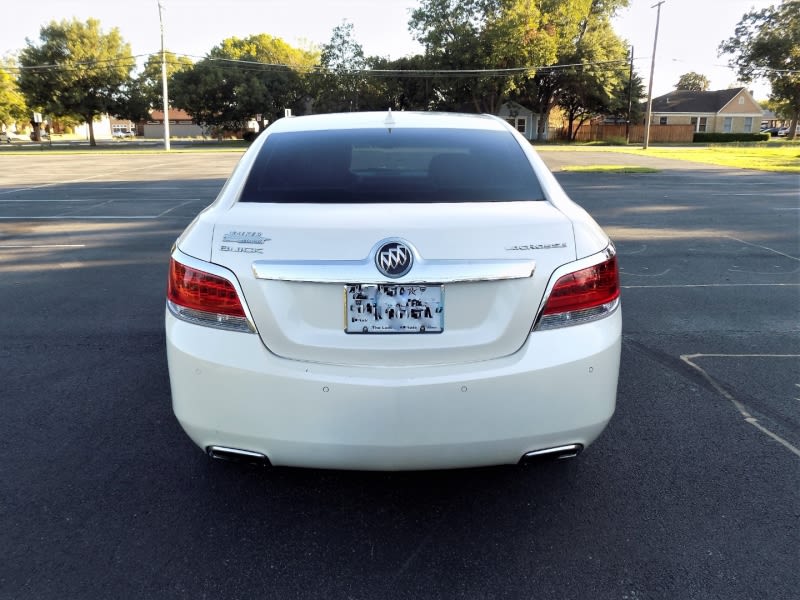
652	71
630	102
164	78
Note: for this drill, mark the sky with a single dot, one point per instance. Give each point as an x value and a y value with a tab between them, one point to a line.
688	36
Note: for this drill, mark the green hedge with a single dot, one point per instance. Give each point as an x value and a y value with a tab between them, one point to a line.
709	138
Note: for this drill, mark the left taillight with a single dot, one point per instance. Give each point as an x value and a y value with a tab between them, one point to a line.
582	296
204	298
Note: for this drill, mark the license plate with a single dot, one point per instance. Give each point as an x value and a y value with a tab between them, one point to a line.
393	308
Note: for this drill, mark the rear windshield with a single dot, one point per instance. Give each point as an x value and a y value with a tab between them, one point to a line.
391	166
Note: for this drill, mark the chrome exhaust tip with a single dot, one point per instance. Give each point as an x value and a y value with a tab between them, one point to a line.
559	452
237	455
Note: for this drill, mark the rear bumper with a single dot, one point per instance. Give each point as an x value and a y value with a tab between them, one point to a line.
229	390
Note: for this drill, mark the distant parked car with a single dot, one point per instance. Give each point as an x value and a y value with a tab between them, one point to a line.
4	137
122	134
772	131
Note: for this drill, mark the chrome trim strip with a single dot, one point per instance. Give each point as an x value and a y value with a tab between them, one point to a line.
214	269
365	271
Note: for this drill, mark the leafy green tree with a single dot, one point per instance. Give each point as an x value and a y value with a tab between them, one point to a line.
588	40
693	82
149	80
241	78
76	70
391	87
526	50
342	81
597	80
12	102
766	45
145	93
510	37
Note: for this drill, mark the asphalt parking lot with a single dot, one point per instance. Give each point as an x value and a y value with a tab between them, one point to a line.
692	492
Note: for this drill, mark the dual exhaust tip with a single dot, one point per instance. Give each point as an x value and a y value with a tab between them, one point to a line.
558	453
239	456
258	459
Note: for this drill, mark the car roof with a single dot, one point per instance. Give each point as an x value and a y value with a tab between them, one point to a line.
388	119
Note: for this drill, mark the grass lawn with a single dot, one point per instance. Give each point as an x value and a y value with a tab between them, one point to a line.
124	147
781	157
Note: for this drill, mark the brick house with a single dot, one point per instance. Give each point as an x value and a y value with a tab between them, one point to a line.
181	124
718	111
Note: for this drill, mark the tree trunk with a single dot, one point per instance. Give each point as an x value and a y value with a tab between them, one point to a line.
793	125
90	122
571	124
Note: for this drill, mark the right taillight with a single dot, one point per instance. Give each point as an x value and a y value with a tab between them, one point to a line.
203	298
582	296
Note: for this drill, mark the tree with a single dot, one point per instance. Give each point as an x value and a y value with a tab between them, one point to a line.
76	70
342	80
597	81
149	80
510	37
242	78
693	82
397	84
12	102
145	93
766	45
588	40
525	50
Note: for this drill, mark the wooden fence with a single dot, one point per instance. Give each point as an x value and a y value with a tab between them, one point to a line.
664	134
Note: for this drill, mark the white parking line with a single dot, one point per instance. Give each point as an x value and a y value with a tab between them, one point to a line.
688	358
53	184
169	210
80	218
34	201
730	237
6	246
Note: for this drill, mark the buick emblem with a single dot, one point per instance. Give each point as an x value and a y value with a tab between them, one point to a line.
394	259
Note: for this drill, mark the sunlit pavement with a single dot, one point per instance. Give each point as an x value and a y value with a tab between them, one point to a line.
684	496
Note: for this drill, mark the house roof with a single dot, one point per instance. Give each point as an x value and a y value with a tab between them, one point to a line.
686	101
175	114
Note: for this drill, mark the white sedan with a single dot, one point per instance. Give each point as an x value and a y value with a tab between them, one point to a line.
390	291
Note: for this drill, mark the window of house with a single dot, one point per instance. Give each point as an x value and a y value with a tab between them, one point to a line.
699	124
727	125
662	121
518	123
741	99
748	124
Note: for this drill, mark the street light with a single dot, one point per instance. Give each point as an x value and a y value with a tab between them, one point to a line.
650	88
164	78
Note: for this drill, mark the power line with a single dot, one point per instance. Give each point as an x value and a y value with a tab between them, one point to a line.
259	66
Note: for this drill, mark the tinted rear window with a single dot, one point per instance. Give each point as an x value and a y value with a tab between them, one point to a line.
397	166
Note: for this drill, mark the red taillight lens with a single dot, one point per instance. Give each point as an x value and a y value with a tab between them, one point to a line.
585	289
198	290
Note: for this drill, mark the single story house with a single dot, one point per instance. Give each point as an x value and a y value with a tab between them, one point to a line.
181	124
718	111
523	119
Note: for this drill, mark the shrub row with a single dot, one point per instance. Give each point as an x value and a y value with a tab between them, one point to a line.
708	138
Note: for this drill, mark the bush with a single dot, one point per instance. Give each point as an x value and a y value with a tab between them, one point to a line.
713	138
